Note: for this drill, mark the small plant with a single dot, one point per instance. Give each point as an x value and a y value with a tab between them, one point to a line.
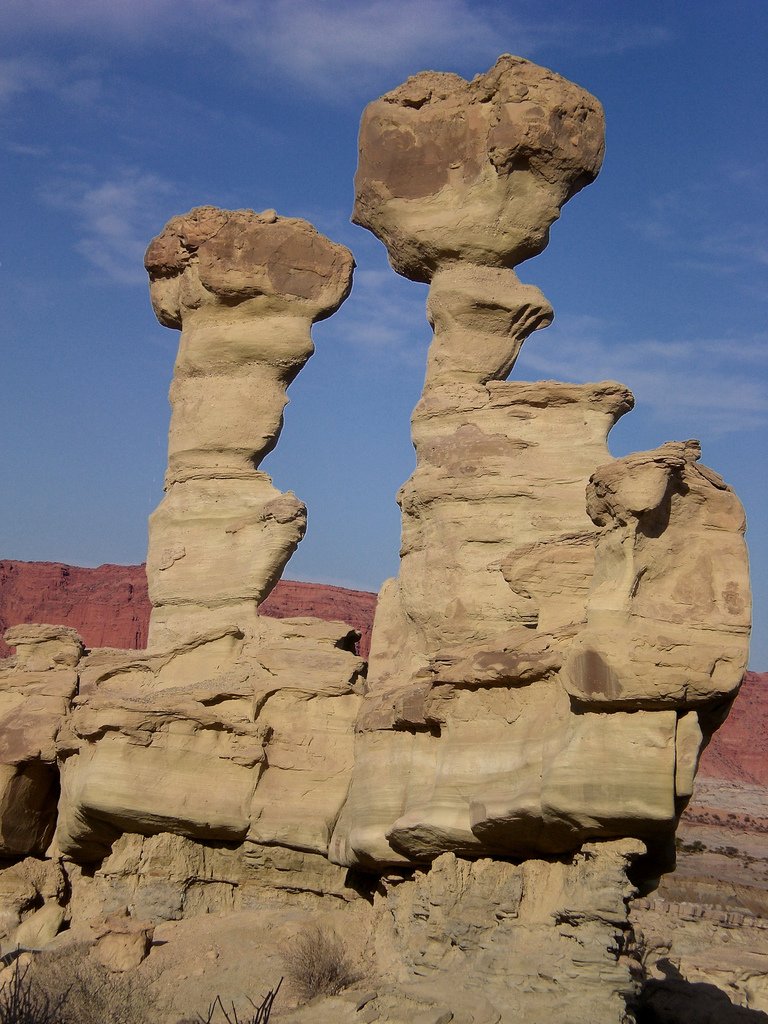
317	963
22	1002
260	1015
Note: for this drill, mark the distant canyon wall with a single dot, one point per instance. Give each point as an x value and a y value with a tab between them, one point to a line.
109	605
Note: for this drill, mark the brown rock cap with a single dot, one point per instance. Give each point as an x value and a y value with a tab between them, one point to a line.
211	255
478	171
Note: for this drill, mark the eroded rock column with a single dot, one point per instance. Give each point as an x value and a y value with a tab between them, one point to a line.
244	288
230	726
524	693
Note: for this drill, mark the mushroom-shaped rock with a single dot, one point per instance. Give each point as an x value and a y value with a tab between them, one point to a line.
478	171
211	256
245	289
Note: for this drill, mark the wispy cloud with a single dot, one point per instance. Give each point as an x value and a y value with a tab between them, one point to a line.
23	149
710	384
681	222
343	45
113	218
134	20
340	45
19	75
75	82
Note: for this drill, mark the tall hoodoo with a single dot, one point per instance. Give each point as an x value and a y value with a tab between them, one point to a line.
190	736
244	288
547	663
565	631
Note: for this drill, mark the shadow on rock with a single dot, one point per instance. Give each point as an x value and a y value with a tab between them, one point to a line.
674	1000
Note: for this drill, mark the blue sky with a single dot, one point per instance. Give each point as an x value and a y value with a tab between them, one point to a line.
116	116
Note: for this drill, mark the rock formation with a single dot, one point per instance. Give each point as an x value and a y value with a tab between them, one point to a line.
225	725
244	289
545	669
564	634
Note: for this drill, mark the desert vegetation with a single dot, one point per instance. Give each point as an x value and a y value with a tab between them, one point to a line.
317	963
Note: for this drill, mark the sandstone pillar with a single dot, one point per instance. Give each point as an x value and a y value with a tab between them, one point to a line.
523	693
244	289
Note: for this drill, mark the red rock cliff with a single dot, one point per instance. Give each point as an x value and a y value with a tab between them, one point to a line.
109	605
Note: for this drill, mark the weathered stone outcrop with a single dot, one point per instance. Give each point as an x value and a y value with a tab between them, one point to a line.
546	667
35	693
510	933
565	632
244	289
475	171
230	726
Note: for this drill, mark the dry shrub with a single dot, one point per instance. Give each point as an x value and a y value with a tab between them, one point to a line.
88	992
259	1014
317	963
22	1002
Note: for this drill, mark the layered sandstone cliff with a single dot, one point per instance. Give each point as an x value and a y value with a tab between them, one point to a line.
109	607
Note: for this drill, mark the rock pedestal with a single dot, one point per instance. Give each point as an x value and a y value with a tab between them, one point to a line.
244	288
230	726
564	629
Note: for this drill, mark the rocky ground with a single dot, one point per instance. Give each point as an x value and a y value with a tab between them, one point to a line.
705	931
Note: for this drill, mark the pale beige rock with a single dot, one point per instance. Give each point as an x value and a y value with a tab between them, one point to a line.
33	895
702	963
260	744
477	171
534	665
481	316
490	594
244	288
537	941
35	692
230	726
122	942
41	927
668	615
40	647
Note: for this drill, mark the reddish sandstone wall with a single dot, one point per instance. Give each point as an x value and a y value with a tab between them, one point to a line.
109	605
739	749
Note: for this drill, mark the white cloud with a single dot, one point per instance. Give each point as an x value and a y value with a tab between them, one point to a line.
114	218
323	43
338	46
343	45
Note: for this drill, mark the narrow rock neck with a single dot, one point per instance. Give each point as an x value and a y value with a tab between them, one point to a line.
481	316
